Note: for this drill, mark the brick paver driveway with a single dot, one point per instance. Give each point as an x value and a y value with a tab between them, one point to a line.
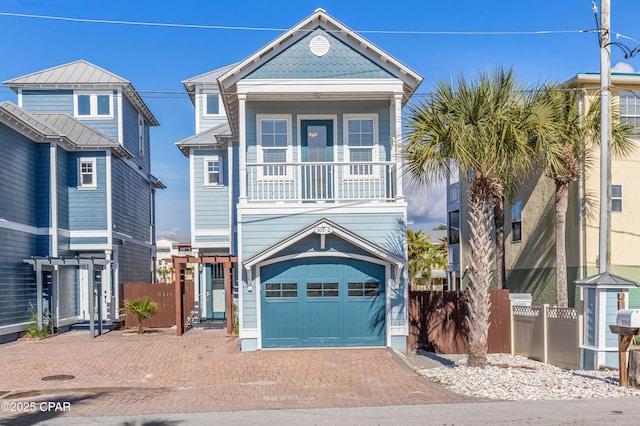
202	370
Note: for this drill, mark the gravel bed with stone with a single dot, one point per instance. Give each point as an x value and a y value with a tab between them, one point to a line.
509	377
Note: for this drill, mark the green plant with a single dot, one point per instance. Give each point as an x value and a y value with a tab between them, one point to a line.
143	308
236	319
32	329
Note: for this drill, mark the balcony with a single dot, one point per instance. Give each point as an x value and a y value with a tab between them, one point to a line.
308	182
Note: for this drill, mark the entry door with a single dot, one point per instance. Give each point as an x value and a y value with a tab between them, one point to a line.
216	303
317	148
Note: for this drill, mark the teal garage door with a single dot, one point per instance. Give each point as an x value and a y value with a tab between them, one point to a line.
322	302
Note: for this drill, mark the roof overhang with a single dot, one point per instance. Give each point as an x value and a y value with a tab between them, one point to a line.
324	227
593	79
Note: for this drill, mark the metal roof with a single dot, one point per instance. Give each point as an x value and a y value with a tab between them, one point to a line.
81	74
29	120
607	279
208	138
208	78
80	134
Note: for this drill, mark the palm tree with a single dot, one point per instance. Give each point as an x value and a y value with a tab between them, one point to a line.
578	134
142	307
487	127
424	257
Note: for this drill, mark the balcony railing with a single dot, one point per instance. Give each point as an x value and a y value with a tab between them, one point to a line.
300	182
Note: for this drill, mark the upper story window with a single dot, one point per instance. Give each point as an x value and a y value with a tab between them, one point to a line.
630	110
87	173
361	143
454	227
93	104
616	198
212	104
516	222
140	135
274	144
212	171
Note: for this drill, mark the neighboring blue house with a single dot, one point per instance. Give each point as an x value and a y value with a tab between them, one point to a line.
75	182
296	169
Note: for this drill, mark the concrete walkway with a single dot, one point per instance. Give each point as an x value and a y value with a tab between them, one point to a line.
201	371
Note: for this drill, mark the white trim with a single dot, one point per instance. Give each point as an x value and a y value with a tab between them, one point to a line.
89	234
249	333
257	290
364	86
315	254
231	206
192	200
109	184
396	141
296	208
120	119
93	104
621	198
94	174
288	149
13	328
240	272
141	134
242	139
215	159
375	148
399	330
387	304
198	108
205	103
53	188
92	247
20	227
20	98
209	245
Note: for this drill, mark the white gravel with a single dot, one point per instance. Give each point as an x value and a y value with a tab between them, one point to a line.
518	378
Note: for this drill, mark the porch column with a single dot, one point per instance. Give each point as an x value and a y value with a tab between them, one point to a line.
396	148
38	266
242	136
178	280
229	295
92	307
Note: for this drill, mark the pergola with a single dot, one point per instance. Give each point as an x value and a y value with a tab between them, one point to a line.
49	263
179	266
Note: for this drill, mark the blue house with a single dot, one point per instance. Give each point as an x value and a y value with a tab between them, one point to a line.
75	184
296	169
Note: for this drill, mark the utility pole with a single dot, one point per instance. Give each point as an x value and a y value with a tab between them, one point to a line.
604	249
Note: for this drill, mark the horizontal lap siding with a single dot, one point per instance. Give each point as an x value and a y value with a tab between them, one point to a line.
48	101
108	127
131	202
211	203
62	192
134	263
87	207
131	136
18	178
17	279
43	185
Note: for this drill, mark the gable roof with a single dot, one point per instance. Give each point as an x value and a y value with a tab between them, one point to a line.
410	79
336	230
81	75
209	138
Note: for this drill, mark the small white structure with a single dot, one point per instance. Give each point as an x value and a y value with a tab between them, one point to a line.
600	295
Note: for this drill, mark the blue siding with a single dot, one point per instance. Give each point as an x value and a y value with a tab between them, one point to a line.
212	204
262	231
236	195
130	133
341	61
43	189
134	264
48	101
63	171
108	127
17	280
249	308
338	108
611	340
87	207
212	121
131	198
590	313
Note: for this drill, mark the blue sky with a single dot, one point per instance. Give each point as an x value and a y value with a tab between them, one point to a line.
157	59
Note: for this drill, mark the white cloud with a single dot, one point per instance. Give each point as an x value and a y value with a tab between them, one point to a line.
427	206
623	67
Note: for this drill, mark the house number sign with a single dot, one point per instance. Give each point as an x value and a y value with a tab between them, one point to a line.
323	230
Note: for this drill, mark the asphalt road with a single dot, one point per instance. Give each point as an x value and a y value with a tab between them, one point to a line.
623	411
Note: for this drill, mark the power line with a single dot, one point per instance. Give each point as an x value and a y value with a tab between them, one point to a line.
245	28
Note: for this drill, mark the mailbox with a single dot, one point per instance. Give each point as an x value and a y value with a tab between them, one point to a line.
628	317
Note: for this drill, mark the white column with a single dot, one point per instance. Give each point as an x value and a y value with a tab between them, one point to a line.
396	148
242	135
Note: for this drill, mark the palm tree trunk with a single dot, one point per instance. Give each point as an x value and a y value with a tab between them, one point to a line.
140	326
498	220
479	273
562	201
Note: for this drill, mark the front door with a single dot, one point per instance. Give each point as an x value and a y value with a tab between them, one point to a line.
317	150
216	306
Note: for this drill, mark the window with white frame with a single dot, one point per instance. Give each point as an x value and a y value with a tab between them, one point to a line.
616	198
274	145
87	173
212	104
630	110
140	135
93	104
212	171
361	142
516	222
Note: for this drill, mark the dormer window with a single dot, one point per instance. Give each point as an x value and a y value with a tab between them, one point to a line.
93	104
212	104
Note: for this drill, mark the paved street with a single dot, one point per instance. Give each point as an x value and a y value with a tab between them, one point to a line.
201	371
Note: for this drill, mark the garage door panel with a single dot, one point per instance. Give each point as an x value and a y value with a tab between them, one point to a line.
340	302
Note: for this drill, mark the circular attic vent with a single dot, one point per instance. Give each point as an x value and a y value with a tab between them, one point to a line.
319	45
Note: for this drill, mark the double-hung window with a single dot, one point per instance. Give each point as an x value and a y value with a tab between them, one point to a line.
361	144
87	173
212	171
274	145
212	104
630	110
616	198
93	104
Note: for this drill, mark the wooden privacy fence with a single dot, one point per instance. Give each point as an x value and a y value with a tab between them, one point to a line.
547	334
164	295
437	322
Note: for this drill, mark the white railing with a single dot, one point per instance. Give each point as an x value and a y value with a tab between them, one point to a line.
301	182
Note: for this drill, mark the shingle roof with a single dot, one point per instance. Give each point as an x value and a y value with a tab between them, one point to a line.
206	138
